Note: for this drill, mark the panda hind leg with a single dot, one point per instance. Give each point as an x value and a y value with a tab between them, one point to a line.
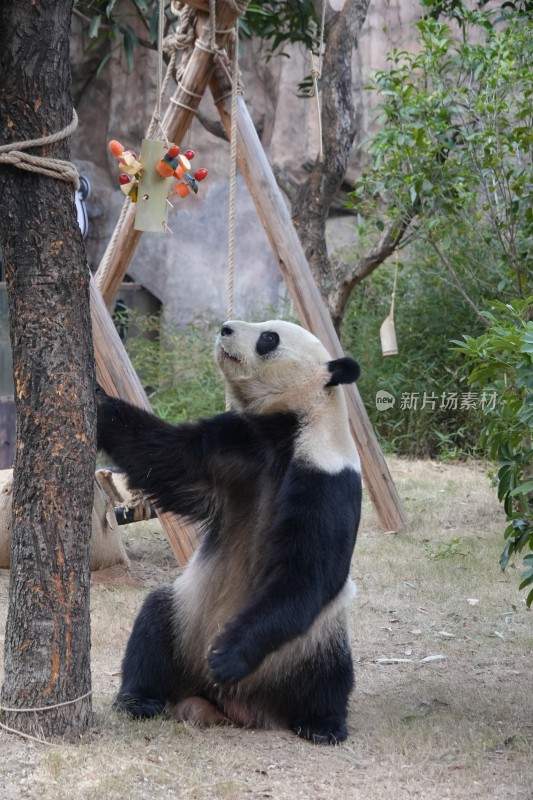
321	710
197	711
150	672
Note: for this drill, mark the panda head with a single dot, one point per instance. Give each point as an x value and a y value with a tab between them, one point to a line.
278	366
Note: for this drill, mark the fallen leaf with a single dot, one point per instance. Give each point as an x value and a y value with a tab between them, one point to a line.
472	601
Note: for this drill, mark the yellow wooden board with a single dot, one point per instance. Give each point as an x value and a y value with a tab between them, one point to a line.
151	212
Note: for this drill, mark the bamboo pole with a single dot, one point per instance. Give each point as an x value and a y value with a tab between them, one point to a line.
306	296
116	375
176	123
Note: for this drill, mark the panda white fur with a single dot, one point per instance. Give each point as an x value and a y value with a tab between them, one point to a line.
254	631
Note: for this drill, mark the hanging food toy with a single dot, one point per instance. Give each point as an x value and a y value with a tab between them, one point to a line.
147	180
189	184
129	186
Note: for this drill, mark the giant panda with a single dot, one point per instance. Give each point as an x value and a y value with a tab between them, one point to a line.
254	631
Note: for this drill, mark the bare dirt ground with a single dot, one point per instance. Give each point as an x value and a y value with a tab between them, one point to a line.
443	706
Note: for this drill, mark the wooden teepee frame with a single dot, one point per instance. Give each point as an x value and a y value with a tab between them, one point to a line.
114	369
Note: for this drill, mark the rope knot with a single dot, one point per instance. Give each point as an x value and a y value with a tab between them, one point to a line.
13	155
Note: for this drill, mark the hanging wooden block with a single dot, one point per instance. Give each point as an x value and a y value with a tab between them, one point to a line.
147	180
387	332
151	212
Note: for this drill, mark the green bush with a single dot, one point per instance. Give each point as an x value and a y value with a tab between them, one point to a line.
501	361
429	313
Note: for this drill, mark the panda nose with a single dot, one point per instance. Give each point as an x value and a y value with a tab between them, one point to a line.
226	330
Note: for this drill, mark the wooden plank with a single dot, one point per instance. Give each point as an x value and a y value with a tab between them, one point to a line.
306	296
151	210
115	373
176	122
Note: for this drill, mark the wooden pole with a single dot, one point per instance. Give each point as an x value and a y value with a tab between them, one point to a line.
116	375
176	122
306	296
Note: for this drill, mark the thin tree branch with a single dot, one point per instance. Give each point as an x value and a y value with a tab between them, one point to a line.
455	278
286	182
389	241
213	126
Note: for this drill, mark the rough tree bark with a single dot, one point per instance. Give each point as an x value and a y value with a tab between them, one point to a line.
47	644
312	200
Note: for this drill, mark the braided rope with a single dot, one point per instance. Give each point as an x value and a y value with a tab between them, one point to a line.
103	268
232	176
13	154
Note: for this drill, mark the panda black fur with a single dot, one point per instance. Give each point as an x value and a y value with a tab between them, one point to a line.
254	631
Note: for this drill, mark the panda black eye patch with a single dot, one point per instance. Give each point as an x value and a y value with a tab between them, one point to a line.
267	342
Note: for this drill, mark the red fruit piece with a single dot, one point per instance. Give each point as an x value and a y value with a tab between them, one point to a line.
189	154
173	151
123	179
200	174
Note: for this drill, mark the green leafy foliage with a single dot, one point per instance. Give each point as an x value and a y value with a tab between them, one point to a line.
454	153
448	549
113	25
455	146
501	360
281	21
427	315
111	28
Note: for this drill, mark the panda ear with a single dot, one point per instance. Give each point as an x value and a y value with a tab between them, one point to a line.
343	370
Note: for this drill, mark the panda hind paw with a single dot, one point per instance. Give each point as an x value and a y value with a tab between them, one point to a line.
322	732
138	706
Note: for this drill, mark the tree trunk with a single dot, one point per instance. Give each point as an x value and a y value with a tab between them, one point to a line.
47	646
312	200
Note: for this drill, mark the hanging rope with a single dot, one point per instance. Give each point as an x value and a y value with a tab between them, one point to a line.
393	298
233	173
156	120
13	154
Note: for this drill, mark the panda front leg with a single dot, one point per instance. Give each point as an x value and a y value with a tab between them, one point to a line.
150	669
